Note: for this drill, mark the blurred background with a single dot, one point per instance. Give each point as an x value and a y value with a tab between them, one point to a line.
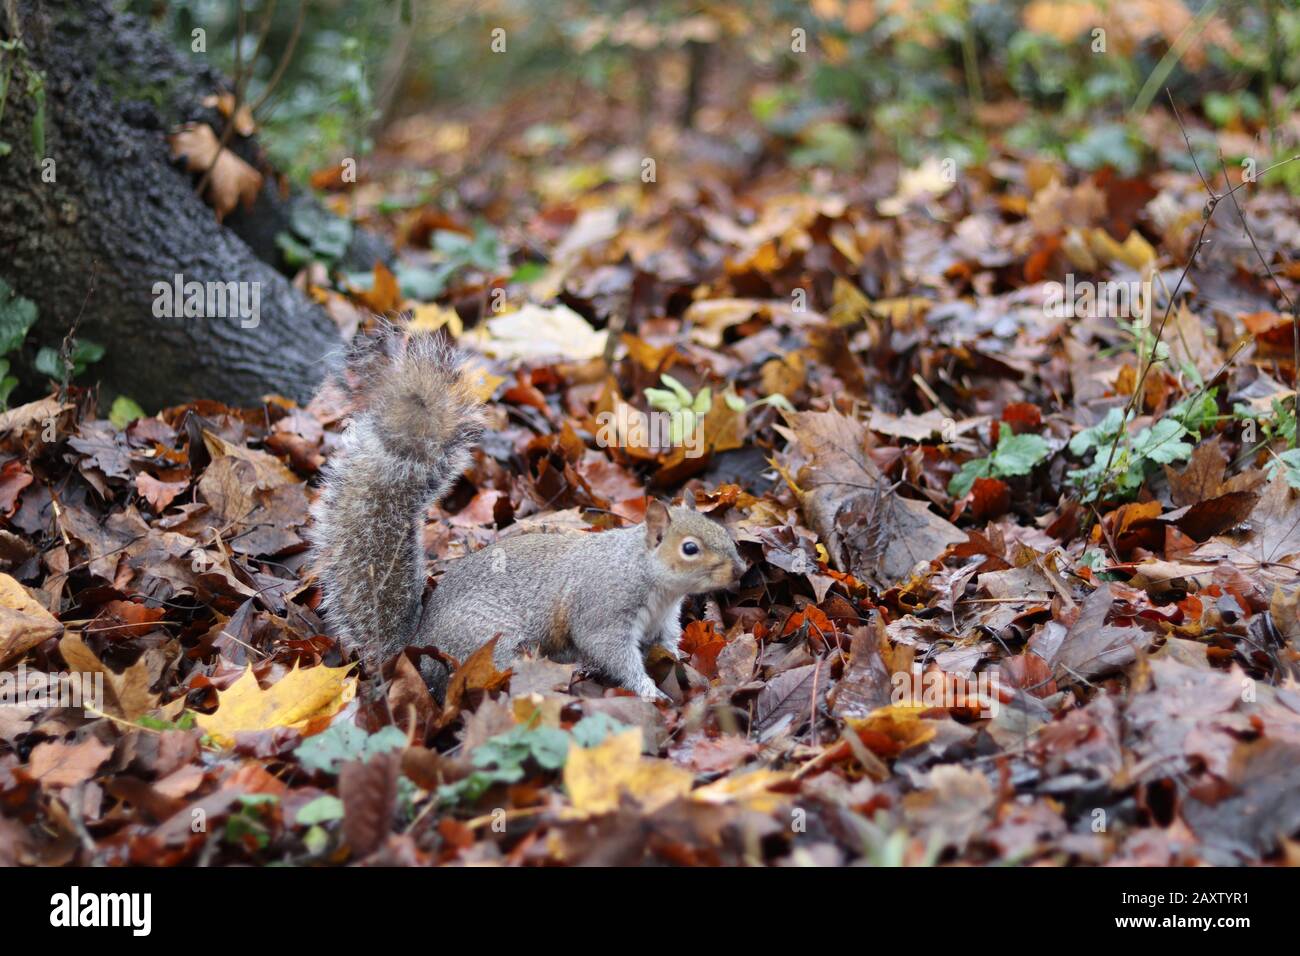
839	81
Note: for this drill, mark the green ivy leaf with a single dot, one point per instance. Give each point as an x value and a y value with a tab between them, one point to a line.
17	316
342	743
1014	455
124	412
964	480
1101	434
323	809
592	731
1289	462
1018	454
1160	443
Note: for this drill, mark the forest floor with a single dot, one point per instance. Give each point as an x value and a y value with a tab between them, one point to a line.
1024	572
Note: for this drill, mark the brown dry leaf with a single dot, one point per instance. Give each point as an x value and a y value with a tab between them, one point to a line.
1217	515
1092	647
1055	207
849	305
956	808
369	794
1190	345
225	104
596	778
919	428
24	623
24	416
540	675
711	318
58	764
1284	609
866	685
1264	807
384	294
868	529
228	485
301	696
126	695
159	494
268	471
478	672
1270	548
409	700
918	186
232	180
1203	476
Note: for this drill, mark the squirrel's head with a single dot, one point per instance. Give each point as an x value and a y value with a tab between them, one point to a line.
695	552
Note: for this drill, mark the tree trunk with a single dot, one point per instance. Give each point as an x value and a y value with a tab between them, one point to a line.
121	217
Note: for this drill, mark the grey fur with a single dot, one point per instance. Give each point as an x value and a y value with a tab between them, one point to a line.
407	444
598	599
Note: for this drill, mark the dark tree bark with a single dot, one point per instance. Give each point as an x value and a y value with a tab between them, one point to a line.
121	211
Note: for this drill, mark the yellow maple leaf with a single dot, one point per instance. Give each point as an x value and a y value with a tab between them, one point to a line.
891	729
597	777
430	317
297	698
482	383
751	790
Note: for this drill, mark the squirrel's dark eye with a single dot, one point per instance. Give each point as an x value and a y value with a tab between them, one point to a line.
690	548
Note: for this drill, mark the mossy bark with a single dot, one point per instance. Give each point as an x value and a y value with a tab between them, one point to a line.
120	217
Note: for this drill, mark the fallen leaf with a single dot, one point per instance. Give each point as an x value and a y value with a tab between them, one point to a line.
597	778
231	182
293	701
58	764
24	623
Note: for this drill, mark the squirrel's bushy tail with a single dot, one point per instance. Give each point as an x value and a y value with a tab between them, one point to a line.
414	422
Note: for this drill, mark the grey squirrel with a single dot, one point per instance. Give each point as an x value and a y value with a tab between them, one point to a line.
600	599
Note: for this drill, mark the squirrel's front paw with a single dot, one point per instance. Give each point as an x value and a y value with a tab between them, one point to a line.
647	690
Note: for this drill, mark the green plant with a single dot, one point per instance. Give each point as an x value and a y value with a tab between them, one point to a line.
17	316
124	412
14	63
326	808
314	235
245	824
453	251
341	743
63	368
1281	424
738	404
1014	455
503	758
1136	456
684	408
1289	462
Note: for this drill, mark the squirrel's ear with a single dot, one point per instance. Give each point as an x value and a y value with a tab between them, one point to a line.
656	522
689	500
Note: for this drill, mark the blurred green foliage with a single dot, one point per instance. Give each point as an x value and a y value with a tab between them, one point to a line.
912	77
